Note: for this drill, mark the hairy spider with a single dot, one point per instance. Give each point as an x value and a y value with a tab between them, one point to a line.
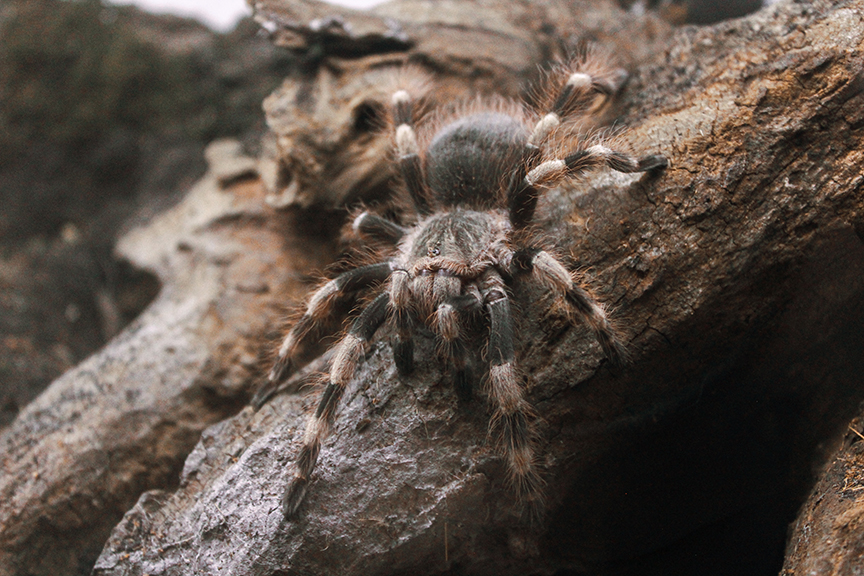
474	184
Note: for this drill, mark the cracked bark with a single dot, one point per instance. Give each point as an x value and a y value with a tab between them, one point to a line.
736	275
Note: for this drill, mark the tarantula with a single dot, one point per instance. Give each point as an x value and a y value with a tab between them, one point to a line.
474	185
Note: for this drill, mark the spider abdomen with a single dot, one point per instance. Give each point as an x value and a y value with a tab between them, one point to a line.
469	160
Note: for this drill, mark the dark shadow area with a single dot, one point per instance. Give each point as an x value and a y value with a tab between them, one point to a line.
738	457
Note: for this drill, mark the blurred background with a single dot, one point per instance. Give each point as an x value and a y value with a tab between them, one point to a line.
221	15
105	110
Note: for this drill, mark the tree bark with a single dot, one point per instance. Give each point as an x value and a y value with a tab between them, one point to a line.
736	275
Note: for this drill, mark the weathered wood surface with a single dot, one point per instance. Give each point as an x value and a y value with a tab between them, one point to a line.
828	536
319	155
736	275
124	420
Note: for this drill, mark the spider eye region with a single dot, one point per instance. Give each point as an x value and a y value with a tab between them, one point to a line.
434	249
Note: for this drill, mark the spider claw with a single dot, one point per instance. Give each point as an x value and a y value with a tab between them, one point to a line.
617	355
264	393
281	370
653	162
613	348
403	355
294	497
463	385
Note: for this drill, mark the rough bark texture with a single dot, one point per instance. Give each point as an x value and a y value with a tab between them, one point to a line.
736	275
326	147
124	420
828	536
76	169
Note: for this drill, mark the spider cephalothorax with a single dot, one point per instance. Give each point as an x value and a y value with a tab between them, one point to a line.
474	186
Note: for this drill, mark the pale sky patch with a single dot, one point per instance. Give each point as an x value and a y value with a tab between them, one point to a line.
218	14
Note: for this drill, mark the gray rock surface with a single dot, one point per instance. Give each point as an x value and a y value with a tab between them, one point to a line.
124	420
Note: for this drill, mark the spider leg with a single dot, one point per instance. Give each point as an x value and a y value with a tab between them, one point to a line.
320	305
524	194
512	412
369	225
446	320
551	172
348	353
549	272
400	305
579	89
407	149
466	305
